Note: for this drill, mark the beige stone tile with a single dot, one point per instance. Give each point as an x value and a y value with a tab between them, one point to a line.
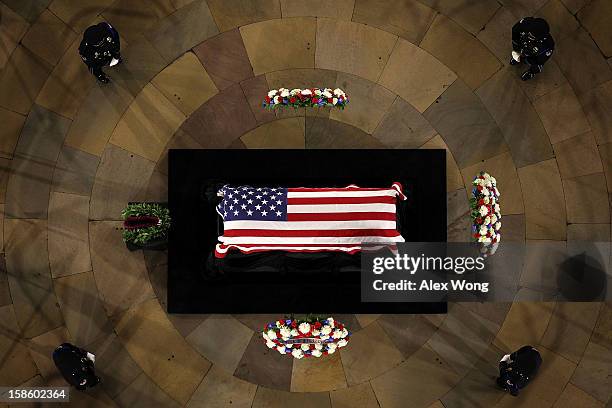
28	9
222	340
12	29
265	367
78	15
132	17
2	236
75	171
542	188
322	133
558	17
269	51
68	84
369	354
360	395
42	135
237	13
16	364
9	132
422	379
121	276
97	117
472	15
496	35
30	282
547	385
161	351
144	393
5	169
573	396
122	177
267	398
602	334
157	190
82	308
502	168
550	79
586	198
594	17
408	19
597	104
575	5
49	37
588	232
368	102
449	43
561	114
221	389
570	327
453	175
578	156
366	319
253	89
339	10
186	83
525	323
27	189
514	228
403	127
336	50
416	75
148	124
458	222
407	332
41	348
318	374
22	79
593	374
283	133
68	234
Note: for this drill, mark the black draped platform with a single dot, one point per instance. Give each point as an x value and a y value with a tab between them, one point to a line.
279	282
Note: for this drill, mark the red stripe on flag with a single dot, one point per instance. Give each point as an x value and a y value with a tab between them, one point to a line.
342	200
318	190
311	233
352	216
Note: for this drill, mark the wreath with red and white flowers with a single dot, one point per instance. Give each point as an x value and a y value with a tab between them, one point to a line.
306	337
306	98
486	214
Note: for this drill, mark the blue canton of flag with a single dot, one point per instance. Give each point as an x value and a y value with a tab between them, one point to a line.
253	204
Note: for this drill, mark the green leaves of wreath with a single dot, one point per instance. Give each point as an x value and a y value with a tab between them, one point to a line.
141	236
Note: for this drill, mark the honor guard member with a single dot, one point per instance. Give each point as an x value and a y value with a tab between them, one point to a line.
531	43
518	368
76	366
99	48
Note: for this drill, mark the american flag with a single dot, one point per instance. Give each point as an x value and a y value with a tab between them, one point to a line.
307	219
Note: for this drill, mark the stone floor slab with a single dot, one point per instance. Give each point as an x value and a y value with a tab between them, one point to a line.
186	83
335	49
269	51
502	168
27	191
588	232
5	169
421	379
41	348
318	374
561	114
516	117
42	135
221	389
180	140
602	334
573	396
514	228
578	156
407	19
68	234
161	351
407	332
597	104
12	29
453	175
403	127
157	190
466	126
415	75
120	275
255	89
49	37
225	59
266	398
360	395
496	35
525	323
339	10
280	134
558	17
458	221
472	15
594	17
522	8
586	199
449	43
322	133
382	355
82	308
549	80
593	374
132	17
12	124
144	393
148	124
231	14
75	171
183	30
122	177
16	364
78	15
265	367
28	9
222	340
30	281
5	294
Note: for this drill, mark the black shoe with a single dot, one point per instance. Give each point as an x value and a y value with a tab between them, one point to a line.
527	75
513	61
103	79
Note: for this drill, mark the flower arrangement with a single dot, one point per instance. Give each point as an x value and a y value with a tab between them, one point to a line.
306	98
311	337
485	211
145	222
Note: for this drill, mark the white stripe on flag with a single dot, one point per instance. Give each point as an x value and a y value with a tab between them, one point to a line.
340	208
308	240
348	193
295	248
308	225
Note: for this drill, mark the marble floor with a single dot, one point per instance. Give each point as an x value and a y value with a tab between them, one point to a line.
420	73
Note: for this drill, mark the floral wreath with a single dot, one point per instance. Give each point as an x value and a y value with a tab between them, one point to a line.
306	337
485	211
306	98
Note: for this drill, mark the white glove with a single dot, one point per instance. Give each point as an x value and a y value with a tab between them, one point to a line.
91	357
516	56
114	62
506	358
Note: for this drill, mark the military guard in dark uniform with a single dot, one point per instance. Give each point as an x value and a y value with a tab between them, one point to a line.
531	43
99	48
518	368
76	366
